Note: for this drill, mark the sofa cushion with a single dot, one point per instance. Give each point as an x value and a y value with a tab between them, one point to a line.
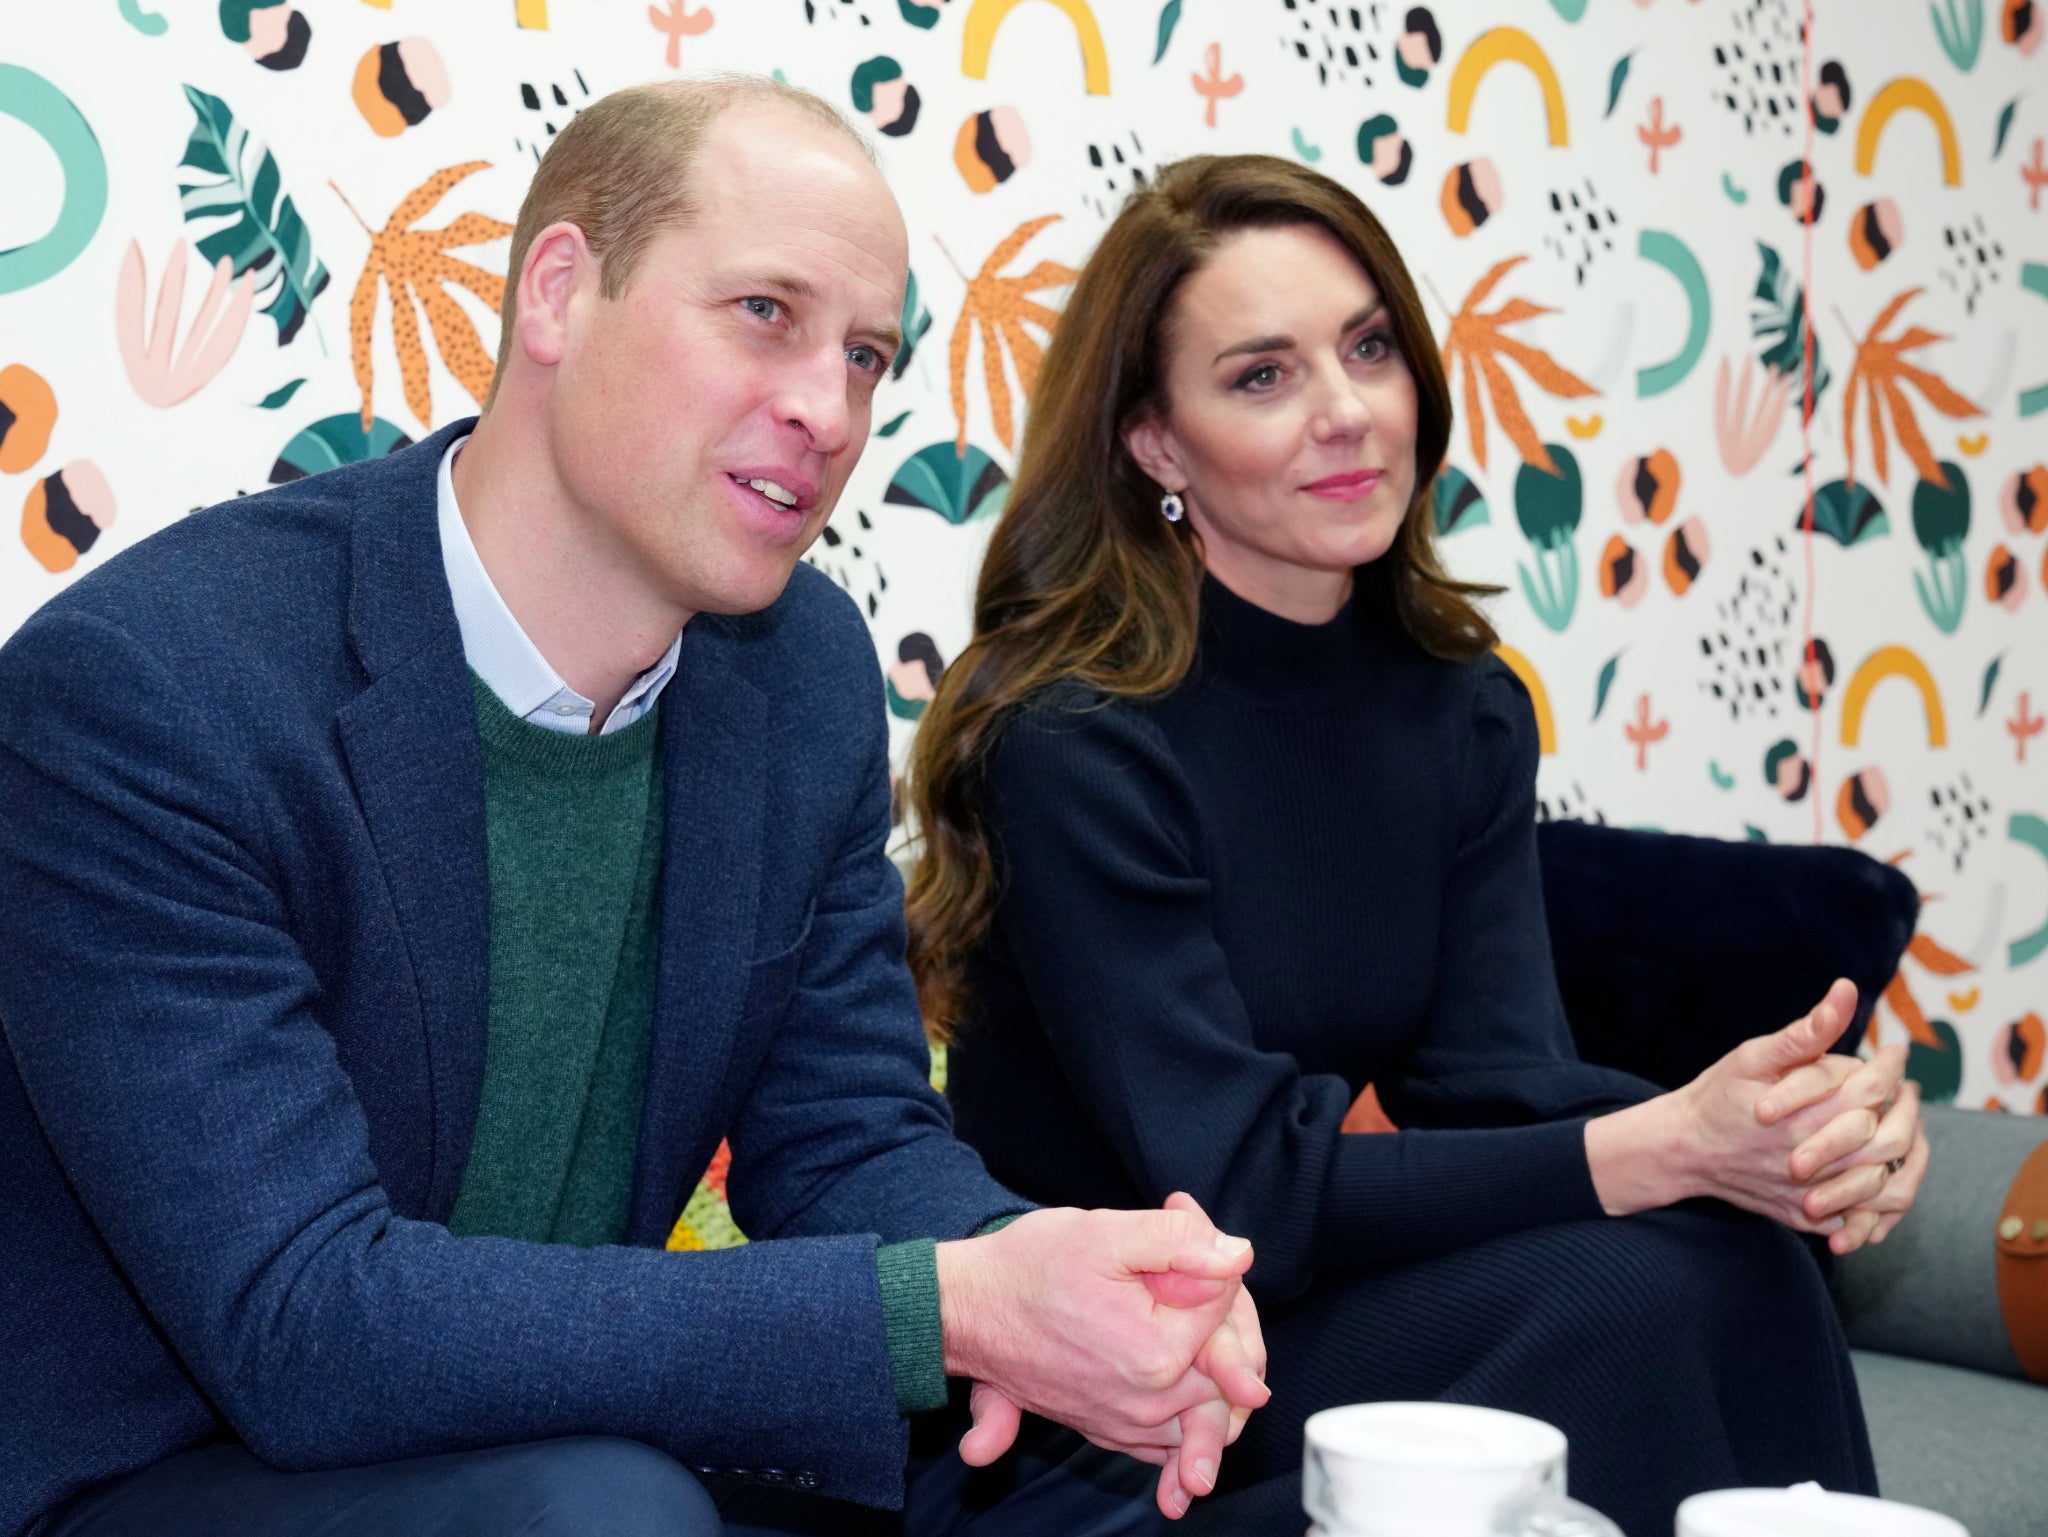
1956	1441
1672	950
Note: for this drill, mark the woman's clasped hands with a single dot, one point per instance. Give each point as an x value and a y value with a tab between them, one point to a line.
1779	1126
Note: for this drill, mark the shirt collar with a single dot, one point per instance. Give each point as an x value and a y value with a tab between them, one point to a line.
499	650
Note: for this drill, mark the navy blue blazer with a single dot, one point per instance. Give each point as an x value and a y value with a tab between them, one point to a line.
242	978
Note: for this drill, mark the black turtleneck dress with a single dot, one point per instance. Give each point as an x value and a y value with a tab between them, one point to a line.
1310	867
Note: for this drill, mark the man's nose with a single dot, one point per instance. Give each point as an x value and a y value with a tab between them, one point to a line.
814	398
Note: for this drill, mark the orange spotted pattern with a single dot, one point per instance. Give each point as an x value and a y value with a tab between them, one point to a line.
413	264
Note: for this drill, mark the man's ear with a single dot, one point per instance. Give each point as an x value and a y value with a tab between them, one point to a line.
559	264
1151	444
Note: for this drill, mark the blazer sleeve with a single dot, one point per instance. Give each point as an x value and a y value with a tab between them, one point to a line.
1106	908
160	1014
841	1130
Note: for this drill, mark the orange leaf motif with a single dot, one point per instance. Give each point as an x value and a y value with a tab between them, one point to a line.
1943	963
999	307
1899	994
414	264
1882	369
1477	342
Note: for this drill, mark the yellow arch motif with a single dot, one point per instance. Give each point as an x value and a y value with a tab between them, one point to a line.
1495	47
1892	662
1898	95
1546	720
978	37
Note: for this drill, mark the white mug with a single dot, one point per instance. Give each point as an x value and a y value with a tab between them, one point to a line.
1807	1511
1423	1469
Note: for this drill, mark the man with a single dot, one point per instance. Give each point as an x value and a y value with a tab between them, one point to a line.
367	1028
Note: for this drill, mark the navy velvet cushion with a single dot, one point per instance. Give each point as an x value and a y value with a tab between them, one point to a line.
1670	950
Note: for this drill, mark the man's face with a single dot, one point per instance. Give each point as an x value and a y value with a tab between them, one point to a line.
705	421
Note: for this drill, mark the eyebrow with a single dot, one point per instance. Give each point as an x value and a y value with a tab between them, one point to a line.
1284	343
889	337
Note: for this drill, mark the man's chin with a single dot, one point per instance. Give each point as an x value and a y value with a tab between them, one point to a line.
747	594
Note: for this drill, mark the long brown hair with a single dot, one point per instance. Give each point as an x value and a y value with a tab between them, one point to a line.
1083	578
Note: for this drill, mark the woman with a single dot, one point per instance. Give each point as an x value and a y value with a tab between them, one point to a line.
1228	812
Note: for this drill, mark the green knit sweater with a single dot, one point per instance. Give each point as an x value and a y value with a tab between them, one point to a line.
575	832
574	826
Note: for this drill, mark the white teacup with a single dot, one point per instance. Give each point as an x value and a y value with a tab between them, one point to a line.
1807	1511
1424	1469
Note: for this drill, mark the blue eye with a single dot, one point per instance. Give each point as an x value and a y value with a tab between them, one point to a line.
1263	377
764	308
866	359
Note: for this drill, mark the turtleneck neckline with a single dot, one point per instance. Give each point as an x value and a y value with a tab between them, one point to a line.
1270	660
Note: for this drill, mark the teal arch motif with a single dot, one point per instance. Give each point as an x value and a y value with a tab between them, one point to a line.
2024	827
50	115
2034	279
1675	257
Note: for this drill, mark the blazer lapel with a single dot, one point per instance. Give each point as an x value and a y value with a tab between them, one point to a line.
712	727
411	743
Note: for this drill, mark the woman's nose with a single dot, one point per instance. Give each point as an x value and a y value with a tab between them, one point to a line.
1342	410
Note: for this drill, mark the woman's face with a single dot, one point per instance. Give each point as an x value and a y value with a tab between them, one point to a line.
1290	424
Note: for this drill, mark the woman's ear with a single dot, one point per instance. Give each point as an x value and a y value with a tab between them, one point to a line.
1151	444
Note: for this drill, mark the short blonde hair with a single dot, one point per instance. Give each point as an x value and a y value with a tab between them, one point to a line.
620	172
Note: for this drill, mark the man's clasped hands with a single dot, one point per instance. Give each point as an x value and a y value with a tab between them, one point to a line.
1135	1328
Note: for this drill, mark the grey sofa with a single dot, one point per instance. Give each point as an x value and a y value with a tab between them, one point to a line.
1669	951
1954	1423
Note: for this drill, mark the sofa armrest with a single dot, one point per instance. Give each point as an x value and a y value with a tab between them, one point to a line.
1931	1290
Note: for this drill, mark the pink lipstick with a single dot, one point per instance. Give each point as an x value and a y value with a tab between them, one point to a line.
1352	486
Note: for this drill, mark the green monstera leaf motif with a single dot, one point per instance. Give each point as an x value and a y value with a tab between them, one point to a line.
917	319
958	487
236	191
1777	318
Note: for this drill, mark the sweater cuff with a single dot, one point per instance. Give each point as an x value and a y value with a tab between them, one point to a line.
909	1274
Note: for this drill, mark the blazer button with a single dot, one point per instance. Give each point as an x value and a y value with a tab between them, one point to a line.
807	1481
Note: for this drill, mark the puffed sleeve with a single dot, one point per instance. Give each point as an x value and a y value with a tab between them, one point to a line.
1497	1050
1107	912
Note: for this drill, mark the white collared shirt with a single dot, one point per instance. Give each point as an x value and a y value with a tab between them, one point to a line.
500	651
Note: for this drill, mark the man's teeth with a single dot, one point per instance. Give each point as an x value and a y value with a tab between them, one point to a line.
773	492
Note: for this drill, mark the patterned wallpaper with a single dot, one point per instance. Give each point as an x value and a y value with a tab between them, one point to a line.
245	241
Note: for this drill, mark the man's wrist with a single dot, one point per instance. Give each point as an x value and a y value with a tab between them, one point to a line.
962	1279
